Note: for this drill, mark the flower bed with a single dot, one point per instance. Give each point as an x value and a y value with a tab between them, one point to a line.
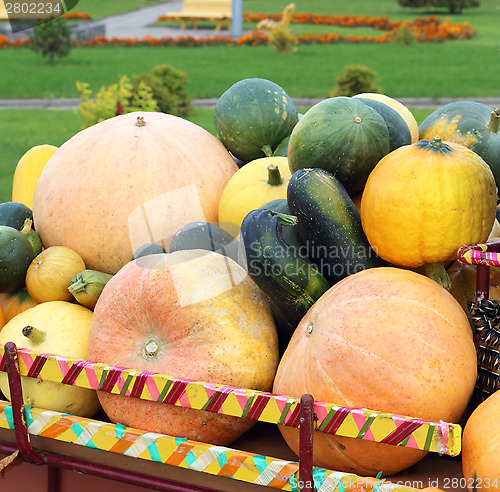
426	30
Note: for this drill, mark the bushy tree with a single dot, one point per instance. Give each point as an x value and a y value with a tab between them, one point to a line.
52	37
355	79
169	89
453	6
113	100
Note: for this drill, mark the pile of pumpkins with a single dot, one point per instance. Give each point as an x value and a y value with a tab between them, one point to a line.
291	253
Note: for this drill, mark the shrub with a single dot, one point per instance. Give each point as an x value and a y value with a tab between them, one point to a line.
52	38
169	89
403	35
279	33
113	100
354	80
453	6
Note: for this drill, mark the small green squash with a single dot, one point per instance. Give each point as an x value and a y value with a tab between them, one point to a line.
343	136
253	116
473	124
16	254
14	214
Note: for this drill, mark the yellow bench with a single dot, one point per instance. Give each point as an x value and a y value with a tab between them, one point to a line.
192	11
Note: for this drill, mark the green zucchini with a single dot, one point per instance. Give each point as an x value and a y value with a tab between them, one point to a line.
291	282
330	224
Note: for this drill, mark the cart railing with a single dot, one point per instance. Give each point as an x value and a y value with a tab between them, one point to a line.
304	412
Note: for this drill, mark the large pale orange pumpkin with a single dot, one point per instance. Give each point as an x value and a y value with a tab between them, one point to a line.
386	339
127	181
190	314
481	446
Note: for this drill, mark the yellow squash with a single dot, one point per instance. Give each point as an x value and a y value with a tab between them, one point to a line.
423	201
60	328
49	275
27	172
256	183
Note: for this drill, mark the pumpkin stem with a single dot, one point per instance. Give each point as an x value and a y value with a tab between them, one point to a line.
274	175
152	347
140	121
27	227
35	336
437	272
268	151
286	219
436	142
494	123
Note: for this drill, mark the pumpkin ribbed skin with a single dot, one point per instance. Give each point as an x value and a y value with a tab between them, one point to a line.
423	201
206	320
253	116
386	339
481	446
120	184
400	108
469	123
49	274
343	136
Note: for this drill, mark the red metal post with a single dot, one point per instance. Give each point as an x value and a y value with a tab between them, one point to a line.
53	479
482	282
306	443
16	398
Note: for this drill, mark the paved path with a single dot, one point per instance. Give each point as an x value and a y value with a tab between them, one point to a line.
301	102
138	23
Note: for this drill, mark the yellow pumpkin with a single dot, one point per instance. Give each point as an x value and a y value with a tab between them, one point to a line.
423	201
2	320
59	328
27	172
130	180
256	183
49	274
14	303
481	446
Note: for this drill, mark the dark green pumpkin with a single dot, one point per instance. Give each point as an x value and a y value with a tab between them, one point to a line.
205	235
343	136
14	214
473	124
16	254
252	117
399	132
148	249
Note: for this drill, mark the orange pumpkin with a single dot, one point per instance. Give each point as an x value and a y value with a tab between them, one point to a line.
14	303
190	314
385	339
481	446
127	181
